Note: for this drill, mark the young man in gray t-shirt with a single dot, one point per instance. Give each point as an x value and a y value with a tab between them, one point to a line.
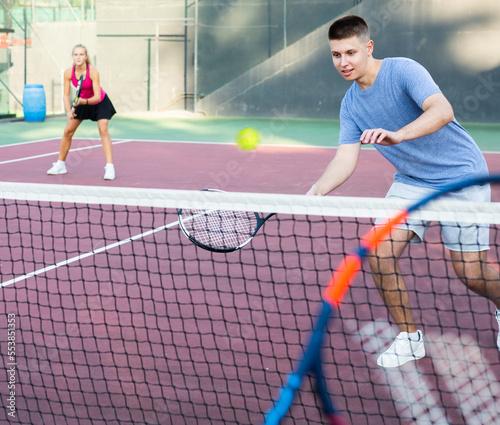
395	105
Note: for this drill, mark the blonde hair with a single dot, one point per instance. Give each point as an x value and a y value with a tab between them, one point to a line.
83	47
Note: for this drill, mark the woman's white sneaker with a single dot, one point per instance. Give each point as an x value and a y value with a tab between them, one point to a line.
109	172
58	167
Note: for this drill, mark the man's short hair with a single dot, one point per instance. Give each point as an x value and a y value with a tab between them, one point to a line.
349	26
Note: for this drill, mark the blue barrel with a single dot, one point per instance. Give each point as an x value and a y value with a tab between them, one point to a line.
34	105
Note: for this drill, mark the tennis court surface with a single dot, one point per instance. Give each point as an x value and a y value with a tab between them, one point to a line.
120	319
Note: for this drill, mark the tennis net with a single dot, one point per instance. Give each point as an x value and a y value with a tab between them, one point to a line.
117	318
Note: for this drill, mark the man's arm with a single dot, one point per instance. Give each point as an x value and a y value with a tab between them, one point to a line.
437	113
338	171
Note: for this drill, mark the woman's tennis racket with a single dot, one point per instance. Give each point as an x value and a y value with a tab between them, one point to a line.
77	93
220	230
333	296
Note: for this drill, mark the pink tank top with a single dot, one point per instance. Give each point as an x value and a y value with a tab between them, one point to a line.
87	90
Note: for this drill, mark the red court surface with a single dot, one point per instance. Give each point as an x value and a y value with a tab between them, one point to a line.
175	355
193	166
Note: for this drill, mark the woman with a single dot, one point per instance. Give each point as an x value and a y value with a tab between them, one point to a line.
93	104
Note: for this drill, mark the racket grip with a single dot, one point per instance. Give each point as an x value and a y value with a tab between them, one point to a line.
280	409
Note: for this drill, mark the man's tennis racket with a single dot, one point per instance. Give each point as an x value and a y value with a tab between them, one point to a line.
77	93
333	296
220	230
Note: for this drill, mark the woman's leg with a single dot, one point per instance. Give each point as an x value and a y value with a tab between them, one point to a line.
68	134
106	140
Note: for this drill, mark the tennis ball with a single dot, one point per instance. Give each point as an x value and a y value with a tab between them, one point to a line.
248	138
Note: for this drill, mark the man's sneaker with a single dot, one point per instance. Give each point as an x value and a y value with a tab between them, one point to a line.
58	167
109	172
402	350
497	316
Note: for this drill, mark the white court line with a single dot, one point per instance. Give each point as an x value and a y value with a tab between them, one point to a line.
191	142
194	142
35	141
299	145
88	254
27	158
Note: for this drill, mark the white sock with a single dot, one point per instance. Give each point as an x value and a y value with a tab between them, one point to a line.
109	165
414	336
60	162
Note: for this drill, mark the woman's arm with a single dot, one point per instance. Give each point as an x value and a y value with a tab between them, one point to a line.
96	86
67	92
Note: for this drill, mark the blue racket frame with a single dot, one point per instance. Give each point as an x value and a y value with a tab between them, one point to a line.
311	360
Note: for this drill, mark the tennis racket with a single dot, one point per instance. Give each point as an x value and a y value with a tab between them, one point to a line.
333	296
220	230
77	93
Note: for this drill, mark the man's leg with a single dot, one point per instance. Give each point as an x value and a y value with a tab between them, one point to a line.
384	264
392	288
473	270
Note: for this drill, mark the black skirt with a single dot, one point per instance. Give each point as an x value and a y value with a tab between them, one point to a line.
103	110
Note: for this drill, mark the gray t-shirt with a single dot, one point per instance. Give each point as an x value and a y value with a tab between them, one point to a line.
393	101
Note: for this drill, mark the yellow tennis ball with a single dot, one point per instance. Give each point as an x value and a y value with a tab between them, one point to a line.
248	138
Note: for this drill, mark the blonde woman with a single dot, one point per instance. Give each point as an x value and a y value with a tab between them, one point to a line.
93	104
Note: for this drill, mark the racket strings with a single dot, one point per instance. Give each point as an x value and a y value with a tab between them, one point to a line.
219	228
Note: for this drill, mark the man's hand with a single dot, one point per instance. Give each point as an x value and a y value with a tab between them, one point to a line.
313	192
380	136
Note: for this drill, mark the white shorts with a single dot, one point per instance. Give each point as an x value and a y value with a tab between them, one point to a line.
464	237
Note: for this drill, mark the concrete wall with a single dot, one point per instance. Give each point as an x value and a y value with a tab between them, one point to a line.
118	46
145	48
236	35
47	58
454	39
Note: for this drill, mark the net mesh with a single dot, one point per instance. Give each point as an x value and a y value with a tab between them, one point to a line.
117	318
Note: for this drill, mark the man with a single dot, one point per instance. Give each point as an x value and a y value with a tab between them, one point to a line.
395	105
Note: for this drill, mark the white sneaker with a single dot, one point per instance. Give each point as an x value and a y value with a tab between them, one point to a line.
497	316
402	350
58	167
109	172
